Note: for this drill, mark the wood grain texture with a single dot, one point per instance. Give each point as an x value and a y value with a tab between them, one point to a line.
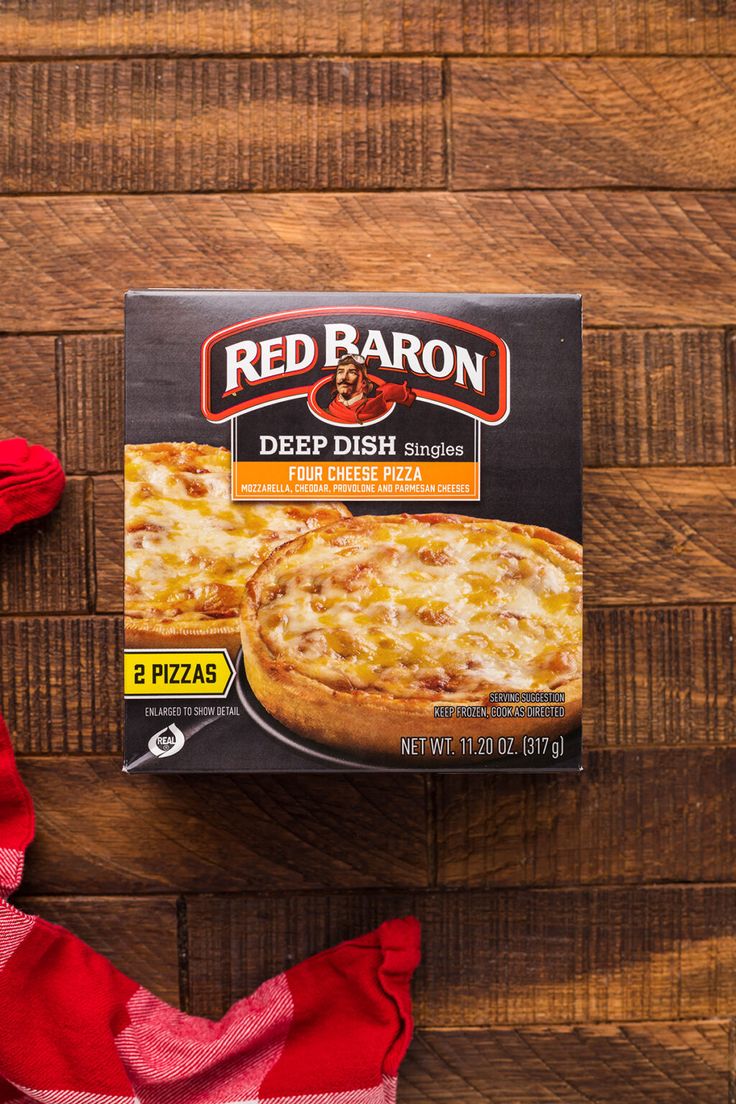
660	535
138	936
91	402
568	922
57	27
29	407
221	125
108	511
100	831
636	817
657	397
660	676
651	397
492	957
76	706
641	258
44	563
672	1063
645	122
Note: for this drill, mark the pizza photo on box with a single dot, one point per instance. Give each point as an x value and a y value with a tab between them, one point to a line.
189	549
372	633
352	532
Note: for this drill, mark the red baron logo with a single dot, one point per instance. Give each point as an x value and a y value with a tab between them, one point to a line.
293	354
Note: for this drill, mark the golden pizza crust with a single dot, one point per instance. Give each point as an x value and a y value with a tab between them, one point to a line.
365	722
145	632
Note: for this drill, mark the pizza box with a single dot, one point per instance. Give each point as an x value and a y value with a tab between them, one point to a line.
352	531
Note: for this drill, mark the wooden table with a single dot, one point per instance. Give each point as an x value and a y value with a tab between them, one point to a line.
580	933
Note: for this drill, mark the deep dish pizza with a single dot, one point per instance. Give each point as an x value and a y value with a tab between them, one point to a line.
189	549
359	633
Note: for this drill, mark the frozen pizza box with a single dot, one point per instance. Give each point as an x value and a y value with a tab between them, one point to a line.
352	532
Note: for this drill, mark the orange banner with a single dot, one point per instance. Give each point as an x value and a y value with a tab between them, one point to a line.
433	479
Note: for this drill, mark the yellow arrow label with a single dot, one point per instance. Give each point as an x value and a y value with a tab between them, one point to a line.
152	674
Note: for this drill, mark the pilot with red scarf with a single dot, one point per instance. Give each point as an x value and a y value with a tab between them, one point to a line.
356	398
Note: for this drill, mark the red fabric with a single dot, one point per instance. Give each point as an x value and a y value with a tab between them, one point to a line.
59	1030
373	407
74	1030
326	998
31	482
16	818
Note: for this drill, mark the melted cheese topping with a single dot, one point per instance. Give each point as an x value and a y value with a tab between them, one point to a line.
424	607
188	548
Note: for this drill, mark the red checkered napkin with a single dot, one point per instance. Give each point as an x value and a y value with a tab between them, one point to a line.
73	1030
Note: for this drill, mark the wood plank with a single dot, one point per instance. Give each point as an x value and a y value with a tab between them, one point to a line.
57	27
222	125
109	505
27	367
656	397
101	832
637	816
138	936
648	816
586	123
91	392
660	676
492	957
660	535
657	535
672	1063
651	397
44	563
76	706
639	258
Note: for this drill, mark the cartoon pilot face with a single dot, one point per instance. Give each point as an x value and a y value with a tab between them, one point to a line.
349	379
